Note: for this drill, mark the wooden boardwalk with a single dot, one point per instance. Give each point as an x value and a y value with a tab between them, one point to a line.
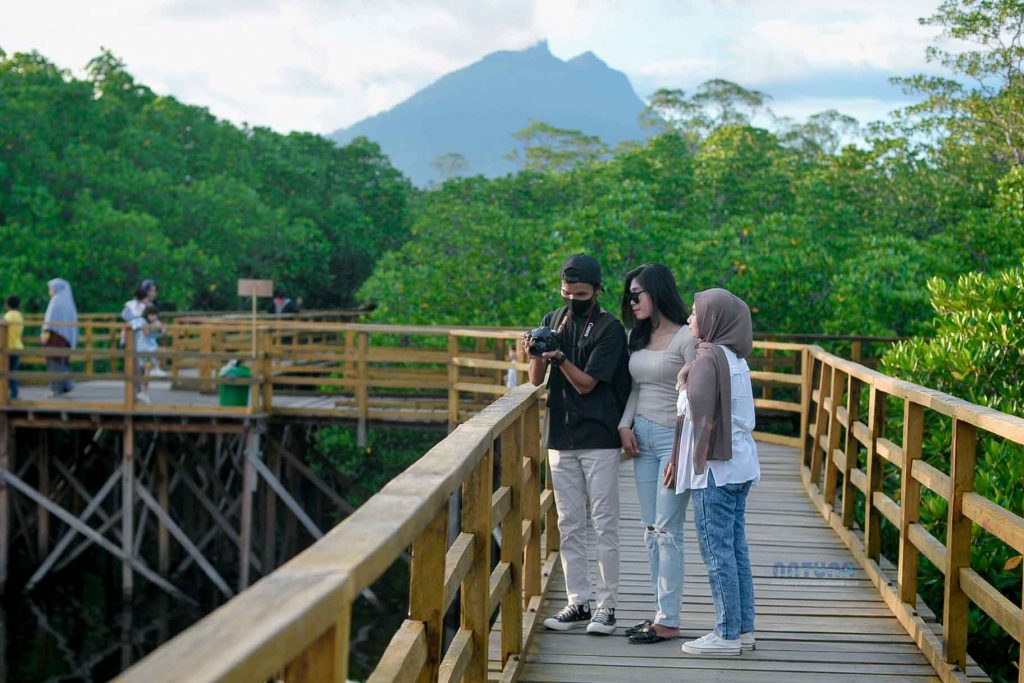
820	629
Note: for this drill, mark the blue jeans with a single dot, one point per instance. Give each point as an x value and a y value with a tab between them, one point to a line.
663	513
15	361
718	513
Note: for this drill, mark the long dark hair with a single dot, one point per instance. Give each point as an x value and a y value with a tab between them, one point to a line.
660	285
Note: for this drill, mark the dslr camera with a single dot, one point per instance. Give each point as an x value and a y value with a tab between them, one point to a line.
542	340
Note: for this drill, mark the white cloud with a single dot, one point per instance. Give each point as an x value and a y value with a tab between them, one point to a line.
322	64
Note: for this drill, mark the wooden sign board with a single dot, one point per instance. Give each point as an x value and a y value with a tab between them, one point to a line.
263	288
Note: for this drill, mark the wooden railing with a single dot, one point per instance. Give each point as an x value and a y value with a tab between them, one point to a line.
295	623
845	451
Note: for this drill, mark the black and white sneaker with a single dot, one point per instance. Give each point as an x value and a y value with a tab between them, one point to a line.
603	622
569	617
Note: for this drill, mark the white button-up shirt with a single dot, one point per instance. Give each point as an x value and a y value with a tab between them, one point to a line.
744	465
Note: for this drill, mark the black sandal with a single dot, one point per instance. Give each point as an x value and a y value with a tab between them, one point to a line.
648	636
636	628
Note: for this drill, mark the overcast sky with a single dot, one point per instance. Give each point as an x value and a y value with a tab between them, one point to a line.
319	65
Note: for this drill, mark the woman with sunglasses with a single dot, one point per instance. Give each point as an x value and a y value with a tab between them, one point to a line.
659	344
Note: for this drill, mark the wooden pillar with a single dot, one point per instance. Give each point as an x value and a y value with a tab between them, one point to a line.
767	389
127	506
839	379
129	370
270	513
453	379
363	389
163	497
90	368
958	544
512	540
326	660
476	519
5	366
267	368
532	451
910	500
426	588
856	351
252	446
7	464
43	518
874	471
206	362
806	384
851	450
820	419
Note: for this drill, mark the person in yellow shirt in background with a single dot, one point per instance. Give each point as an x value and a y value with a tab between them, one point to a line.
15	326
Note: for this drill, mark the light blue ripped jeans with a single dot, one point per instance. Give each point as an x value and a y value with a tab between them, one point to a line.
663	513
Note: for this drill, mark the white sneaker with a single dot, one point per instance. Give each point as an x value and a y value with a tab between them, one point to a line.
747	641
156	371
603	621
714	646
142	397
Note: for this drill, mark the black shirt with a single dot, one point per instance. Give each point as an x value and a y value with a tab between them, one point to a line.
575	420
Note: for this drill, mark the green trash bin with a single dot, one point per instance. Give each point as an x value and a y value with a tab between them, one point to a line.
234	395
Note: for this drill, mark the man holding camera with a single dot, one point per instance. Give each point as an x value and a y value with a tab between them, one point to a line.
585	348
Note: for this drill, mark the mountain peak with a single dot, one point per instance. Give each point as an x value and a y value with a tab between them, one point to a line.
474	111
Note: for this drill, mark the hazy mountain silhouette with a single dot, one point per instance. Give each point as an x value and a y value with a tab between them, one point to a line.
474	111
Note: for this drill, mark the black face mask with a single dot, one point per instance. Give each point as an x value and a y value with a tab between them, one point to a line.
579	307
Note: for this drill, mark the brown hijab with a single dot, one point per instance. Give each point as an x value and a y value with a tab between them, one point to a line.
723	319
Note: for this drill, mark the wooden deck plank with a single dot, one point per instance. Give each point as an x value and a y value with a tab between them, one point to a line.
830	627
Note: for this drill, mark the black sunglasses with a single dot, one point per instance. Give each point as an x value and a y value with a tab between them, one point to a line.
634	297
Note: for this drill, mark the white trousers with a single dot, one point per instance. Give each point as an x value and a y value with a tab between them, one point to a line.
577	475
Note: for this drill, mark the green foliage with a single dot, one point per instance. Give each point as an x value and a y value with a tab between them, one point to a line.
547	148
366	469
976	353
104	183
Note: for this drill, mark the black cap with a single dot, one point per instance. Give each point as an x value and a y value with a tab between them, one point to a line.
581	268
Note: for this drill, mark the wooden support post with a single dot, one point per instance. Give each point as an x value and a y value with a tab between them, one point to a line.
350	349
267	368
6	464
874	471
252	445
426	588
5	366
90	368
476	519
127	506
129	370
767	389
512	541
856	351
820	423
326	660
910	500
806	384
532	452
43	515
164	498
834	431
453	379
206	362
363	389
270	513
851	450
958	544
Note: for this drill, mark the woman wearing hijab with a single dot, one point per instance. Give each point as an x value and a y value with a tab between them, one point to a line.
60	331
719	464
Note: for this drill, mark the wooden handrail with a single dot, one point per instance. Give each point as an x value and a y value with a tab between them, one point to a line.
832	446
296	620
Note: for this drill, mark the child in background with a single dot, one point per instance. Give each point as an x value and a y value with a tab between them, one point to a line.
148	330
15	327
